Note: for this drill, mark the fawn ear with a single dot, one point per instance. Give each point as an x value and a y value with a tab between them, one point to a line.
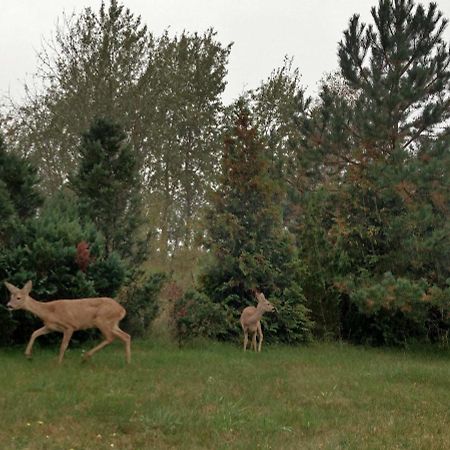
11	288
28	286
259	295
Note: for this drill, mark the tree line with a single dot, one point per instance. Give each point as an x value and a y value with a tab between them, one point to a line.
125	172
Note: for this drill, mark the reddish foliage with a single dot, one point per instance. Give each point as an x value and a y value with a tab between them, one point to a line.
172	292
83	256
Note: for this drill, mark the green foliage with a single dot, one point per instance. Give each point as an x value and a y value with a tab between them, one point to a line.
379	138
250	248
108	189
195	315
323	258
164	90
291	322
45	252
183	83
108	275
91	69
338	210
141	302
19	197
397	64
19	200
277	106
399	309
18	179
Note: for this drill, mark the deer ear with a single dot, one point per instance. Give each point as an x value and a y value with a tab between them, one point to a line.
11	288
28	286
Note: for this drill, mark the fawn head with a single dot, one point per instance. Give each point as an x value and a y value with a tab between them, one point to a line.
18	296
263	303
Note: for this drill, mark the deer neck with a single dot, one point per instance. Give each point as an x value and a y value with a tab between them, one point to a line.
257	315
39	309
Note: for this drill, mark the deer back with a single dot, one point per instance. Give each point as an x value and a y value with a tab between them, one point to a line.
82	313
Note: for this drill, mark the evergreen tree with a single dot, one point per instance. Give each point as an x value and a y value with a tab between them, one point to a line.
107	185
19	200
375	145
19	179
401	68
47	252
249	245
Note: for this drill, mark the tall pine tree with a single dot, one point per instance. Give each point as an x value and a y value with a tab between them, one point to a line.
379	139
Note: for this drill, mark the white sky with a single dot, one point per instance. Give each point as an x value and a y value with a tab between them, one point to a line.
263	32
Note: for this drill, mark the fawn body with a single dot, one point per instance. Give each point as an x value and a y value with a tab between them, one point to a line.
251	321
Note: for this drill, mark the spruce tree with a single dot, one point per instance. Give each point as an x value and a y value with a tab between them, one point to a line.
107	185
19	178
19	200
249	246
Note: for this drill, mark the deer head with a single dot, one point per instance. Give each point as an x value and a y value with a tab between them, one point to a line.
18	296
263	303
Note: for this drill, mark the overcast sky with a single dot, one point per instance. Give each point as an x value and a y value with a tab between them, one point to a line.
263	32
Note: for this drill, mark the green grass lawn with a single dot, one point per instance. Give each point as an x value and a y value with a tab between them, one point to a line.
213	396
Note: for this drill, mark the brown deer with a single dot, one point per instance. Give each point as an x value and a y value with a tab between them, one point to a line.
251	320
67	316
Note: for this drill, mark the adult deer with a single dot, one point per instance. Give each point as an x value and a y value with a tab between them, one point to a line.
251	320
67	316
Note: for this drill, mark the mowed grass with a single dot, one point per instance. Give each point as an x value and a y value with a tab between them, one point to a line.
213	396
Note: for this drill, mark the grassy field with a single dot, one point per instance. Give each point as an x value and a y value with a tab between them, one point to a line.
213	396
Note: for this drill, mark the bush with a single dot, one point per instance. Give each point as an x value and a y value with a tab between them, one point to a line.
290	323
141	302
195	315
45	251
397	310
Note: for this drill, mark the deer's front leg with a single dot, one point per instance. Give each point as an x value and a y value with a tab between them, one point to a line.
36	334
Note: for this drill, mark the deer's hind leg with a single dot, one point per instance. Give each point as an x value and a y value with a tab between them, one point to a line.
245	339
109	337
64	344
254	340
126	339
260	334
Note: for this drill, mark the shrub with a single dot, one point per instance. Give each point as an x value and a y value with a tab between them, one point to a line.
45	251
396	310
195	315
290	323
141	302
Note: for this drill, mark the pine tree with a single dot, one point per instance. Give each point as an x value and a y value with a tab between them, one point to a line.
378	139
249	245
401	69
